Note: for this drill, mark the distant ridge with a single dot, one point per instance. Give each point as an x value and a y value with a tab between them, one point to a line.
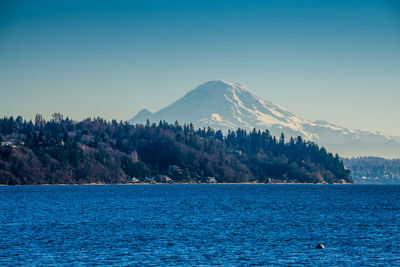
228	106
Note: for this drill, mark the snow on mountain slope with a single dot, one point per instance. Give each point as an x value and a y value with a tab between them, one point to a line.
224	105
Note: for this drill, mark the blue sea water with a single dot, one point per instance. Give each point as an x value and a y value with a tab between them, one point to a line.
230	225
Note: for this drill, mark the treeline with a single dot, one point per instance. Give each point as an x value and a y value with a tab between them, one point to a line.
374	170
62	151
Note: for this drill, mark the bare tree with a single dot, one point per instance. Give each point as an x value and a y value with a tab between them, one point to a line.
39	121
57	117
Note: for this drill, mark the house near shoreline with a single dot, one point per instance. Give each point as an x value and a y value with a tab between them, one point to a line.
211	180
10	144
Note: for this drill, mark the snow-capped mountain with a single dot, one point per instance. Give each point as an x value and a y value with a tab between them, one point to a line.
224	105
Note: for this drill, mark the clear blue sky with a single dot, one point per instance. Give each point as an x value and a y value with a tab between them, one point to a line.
330	60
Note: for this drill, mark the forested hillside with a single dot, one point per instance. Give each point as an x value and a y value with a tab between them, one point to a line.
62	151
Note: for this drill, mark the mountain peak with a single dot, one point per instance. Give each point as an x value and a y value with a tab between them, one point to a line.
219	86
227	106
218	83
143	115
144	111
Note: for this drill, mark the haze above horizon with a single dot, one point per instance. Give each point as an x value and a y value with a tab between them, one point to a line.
337	61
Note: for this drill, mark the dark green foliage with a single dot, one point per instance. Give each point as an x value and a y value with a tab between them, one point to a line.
134	169
93	150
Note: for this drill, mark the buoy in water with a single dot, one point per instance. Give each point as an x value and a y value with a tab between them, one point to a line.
320	246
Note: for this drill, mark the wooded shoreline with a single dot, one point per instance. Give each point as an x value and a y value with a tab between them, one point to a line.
62	151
